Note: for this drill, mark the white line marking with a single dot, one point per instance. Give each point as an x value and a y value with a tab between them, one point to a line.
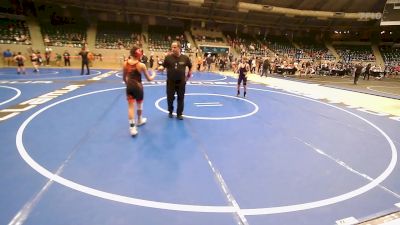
347	221
240	217
23	214
157	104
347	167
102	194
15	96
209	105
204	208
206	103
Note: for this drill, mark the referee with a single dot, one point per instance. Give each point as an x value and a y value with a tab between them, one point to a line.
176	64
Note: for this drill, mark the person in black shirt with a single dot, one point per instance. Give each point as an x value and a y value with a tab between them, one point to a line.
265	67
144	59
67	61
176	64
222	63
357	73
151	61
367	71
85	60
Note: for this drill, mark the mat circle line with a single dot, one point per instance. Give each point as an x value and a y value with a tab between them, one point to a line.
203	208
14	97
157	104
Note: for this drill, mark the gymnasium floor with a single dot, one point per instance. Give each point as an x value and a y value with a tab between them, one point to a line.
293	152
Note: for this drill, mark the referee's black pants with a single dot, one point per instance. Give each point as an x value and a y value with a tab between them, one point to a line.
178	87
85	63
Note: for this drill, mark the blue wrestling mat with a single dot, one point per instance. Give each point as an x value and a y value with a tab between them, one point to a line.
271	158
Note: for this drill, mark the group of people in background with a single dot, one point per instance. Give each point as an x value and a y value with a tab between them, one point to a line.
37	59
285	65
279	64
178	67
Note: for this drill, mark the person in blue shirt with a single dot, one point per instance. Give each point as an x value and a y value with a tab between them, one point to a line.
7	55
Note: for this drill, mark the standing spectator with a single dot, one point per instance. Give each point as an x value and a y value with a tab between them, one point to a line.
357	73
209	61
265	67
67	60
367	71
176	64
85	60
144	59
222	63
151	61
91	59
7	55
58	59
47	55
253	65
199	62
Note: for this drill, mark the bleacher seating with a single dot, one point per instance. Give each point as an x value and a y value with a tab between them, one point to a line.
280	46
14	32
391	55
207	36
161	37
112	35
311	49
349	53
244	43
64	35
